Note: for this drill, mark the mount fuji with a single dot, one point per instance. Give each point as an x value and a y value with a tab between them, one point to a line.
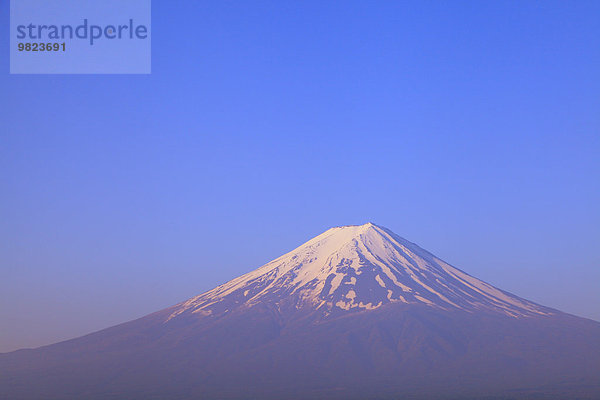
354	313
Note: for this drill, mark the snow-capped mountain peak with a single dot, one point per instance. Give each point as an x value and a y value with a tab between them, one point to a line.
356	268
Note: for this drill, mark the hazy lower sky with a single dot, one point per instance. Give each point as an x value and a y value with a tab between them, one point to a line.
470	128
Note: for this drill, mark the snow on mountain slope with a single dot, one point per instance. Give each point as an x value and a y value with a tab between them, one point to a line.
355	313
358	267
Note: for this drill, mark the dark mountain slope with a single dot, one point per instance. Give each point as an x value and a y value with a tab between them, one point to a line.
356	312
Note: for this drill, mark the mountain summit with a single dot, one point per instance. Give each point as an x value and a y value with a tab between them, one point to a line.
355	313
358	267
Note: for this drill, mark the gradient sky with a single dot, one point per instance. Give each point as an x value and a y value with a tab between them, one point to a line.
469	128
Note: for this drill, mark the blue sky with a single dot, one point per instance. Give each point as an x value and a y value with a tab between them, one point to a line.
470	128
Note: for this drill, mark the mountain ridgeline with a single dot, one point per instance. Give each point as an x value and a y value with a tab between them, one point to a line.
354	313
